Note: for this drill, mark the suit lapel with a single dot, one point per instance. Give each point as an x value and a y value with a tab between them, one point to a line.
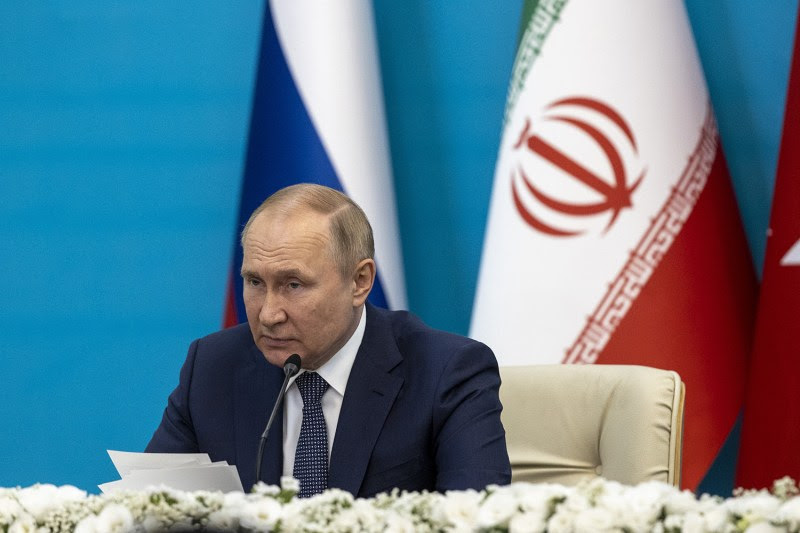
256	388
371	391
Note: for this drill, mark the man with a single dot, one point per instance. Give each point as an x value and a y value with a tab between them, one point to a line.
403	405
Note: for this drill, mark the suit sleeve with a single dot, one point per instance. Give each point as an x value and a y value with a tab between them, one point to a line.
470	441
176	434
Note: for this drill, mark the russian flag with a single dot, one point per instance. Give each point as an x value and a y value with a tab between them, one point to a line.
318	118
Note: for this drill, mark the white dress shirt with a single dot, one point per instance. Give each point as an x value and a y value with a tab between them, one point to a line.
336	372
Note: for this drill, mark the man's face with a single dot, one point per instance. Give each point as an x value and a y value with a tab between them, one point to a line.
294	294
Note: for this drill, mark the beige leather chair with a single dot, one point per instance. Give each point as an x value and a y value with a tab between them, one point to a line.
566	423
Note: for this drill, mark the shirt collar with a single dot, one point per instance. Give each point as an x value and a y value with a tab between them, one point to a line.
336	370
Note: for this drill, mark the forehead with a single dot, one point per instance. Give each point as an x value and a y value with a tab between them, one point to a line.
278	236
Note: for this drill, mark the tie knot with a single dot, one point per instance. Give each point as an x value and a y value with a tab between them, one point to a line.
312	386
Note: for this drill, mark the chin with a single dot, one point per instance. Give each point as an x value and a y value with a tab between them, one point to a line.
275	357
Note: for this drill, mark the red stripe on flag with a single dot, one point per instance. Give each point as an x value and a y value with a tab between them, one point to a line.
230	318
770	442
695	316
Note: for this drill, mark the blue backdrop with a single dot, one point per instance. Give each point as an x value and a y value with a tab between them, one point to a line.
122	136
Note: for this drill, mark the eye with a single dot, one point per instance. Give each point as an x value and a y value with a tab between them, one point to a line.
253	282
293	284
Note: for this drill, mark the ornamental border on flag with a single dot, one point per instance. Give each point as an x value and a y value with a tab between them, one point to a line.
657	240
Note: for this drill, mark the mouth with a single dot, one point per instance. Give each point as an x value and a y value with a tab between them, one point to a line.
275	342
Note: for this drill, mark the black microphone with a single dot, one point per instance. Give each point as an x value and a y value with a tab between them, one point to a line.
290	368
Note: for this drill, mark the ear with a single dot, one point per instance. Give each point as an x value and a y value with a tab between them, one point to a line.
363	278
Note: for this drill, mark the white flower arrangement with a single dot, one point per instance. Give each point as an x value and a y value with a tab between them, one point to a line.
594	506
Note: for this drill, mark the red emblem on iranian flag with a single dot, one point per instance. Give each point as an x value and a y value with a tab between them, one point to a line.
605	192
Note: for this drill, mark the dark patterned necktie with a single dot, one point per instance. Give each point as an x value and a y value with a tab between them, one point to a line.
311	456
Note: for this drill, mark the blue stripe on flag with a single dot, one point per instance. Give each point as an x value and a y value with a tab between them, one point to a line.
283	149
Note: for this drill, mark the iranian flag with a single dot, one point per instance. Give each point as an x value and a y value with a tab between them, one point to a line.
770	446
613	232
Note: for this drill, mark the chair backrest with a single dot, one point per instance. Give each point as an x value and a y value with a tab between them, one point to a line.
566	423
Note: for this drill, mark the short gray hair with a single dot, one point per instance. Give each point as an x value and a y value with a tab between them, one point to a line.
351	233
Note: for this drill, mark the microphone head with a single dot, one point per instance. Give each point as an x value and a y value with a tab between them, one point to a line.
292	365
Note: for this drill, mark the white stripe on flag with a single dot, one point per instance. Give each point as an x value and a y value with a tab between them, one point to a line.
331	52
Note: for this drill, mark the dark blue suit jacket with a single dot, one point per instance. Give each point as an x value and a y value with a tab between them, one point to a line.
421	410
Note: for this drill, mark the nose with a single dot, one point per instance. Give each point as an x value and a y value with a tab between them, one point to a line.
272	311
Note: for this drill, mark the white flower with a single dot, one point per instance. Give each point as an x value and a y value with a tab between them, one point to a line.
333	497
561	521
224	519
784	488
227	516
115	518
634	508
788	514
657	490
262	489
527	522
261	514
38	500
691	522
294	516
151	523
595	519
88	525
679	502
345	520
672	523
752	508
397	523
459	509
290	484
234	499
576	502
370	517
497	510
10	509
362	516
717	519
765	527
23	524
539	498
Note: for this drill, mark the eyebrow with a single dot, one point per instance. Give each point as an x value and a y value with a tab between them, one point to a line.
285	273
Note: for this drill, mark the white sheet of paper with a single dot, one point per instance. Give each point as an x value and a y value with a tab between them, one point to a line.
127	462
224	478
215	463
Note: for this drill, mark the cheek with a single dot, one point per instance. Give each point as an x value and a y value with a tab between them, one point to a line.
324	317
251	304
248	296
